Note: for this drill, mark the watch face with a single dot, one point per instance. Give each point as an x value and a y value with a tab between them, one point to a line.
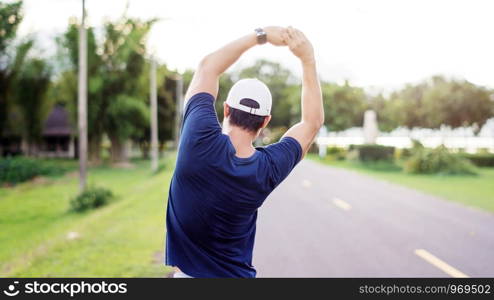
261	36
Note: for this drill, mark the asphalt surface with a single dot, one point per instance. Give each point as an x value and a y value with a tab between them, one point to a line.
330	222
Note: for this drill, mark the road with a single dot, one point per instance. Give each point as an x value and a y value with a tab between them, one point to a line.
330	222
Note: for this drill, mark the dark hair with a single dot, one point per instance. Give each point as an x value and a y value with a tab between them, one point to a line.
245	120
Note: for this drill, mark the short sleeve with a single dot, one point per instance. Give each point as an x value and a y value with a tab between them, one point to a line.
200	120
284	156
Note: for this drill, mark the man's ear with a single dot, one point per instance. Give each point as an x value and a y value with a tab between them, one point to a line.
226	110
266	121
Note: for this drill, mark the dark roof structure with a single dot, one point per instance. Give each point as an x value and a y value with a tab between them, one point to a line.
57	123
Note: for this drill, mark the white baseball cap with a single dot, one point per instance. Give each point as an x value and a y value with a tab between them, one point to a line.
253	89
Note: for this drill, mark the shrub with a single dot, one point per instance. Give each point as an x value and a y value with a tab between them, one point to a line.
402	154
91	198
480	159
437	161
20	169
352	154
381	166
371	152
483	151
336	153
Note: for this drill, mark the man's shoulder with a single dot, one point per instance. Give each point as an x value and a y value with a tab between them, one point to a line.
198	99
281	158
200	120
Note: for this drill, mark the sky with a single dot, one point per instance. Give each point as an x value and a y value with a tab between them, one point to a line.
379	45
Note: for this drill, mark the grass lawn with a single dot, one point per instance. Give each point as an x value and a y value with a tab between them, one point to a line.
122	239
476	191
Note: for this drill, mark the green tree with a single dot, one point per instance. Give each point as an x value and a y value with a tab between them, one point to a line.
456	103
33	82
117	85
123	63
11	57
390	114
24	81
344	105
435	102
65	86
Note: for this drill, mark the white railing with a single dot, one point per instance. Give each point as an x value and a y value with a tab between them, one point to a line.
469	144
463	138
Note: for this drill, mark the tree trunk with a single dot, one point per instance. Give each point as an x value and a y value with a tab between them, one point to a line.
30	150
118	151
145	148
161	148
95	150
25	149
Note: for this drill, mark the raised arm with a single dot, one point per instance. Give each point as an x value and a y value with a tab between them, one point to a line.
312	108
206	77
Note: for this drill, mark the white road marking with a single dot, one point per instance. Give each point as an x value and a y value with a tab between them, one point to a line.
443	266
341	204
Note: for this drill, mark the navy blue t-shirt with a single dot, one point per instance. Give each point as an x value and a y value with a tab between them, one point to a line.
214	195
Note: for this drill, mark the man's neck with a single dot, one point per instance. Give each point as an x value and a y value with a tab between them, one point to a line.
241	140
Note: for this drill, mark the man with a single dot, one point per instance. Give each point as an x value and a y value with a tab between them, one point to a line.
220	179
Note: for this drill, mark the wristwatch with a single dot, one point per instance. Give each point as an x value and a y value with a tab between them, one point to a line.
262	37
